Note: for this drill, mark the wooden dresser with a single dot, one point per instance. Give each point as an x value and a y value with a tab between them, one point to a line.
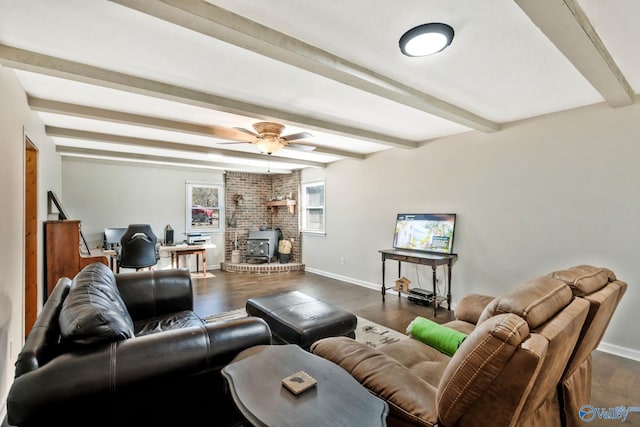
62	257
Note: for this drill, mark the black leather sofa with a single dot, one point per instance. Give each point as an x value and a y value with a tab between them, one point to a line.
125	350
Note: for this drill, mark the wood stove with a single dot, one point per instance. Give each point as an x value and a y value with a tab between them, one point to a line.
262	245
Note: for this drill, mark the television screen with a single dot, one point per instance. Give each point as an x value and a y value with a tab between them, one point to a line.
425	232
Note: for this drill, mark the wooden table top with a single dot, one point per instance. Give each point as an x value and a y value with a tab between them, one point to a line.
255	382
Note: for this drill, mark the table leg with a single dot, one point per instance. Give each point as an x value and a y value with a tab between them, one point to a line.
435	296
204	262
399	276
449	265
197	262
384	288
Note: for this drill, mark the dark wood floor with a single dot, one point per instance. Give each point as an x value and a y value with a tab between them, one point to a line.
616	380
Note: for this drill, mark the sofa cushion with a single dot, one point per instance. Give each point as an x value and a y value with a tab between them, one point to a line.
584	279
93	311
405	374
536	301
167	322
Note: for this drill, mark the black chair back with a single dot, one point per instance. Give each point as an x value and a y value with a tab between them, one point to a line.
138	247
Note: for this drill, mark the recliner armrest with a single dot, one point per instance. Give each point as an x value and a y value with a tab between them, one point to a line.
471	306
153	293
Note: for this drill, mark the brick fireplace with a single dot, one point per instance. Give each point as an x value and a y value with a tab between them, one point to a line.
246	210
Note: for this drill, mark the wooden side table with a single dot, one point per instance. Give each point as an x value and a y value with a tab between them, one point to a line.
197	250
255	378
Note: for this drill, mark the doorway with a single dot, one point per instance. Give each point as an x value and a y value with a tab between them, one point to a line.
30	235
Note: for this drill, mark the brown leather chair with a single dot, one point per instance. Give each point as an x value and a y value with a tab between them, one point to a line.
505	373
603	291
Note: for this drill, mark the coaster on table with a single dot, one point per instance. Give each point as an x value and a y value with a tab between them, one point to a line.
299	382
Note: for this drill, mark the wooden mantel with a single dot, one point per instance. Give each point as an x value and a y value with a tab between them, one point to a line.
290	204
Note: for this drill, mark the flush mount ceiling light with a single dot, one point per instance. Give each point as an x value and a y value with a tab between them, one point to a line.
426	39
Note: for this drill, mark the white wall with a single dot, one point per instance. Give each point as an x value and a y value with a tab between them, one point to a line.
541	195
106	194
16	120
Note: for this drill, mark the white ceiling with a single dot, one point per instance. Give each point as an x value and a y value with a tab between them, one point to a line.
167	81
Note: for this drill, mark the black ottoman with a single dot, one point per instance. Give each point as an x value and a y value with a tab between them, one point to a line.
296	318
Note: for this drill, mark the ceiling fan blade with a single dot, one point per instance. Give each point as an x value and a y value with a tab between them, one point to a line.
301	147
294	136
235	142
246	131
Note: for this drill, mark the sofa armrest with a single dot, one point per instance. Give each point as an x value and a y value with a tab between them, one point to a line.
152	293
101	374
471	306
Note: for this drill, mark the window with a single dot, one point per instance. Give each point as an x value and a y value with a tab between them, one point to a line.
205	207
313	212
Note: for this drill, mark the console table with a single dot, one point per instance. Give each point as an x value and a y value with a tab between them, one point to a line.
434	260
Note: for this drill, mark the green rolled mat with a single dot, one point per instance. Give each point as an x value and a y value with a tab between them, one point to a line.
442	338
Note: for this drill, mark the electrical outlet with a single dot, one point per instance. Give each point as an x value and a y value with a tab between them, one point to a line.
342	261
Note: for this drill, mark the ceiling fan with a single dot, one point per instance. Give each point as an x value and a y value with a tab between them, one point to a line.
268	138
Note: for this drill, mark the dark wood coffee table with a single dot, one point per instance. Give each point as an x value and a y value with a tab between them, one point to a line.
255	383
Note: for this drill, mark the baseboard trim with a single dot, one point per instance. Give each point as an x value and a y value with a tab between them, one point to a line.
344	278
616	350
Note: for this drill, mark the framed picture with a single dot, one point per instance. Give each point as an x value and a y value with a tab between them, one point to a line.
205	207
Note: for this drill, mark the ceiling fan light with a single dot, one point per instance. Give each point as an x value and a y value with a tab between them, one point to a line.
426	39
268	145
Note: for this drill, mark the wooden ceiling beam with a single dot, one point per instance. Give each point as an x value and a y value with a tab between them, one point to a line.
169	145
21	59
118	156
566	25
74	110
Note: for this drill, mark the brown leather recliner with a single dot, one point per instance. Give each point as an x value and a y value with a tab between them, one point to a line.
598	286
505	373
603	291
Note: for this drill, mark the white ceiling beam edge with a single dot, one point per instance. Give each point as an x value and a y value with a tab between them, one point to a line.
86	112
82	111
56	67
53	131
118	156
221	24
565	24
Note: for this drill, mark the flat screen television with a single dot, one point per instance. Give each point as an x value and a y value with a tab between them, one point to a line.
425	232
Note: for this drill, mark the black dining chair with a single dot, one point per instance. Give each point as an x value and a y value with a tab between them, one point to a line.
138	247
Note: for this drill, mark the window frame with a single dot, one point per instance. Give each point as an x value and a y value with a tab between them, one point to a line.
190	186
304	207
